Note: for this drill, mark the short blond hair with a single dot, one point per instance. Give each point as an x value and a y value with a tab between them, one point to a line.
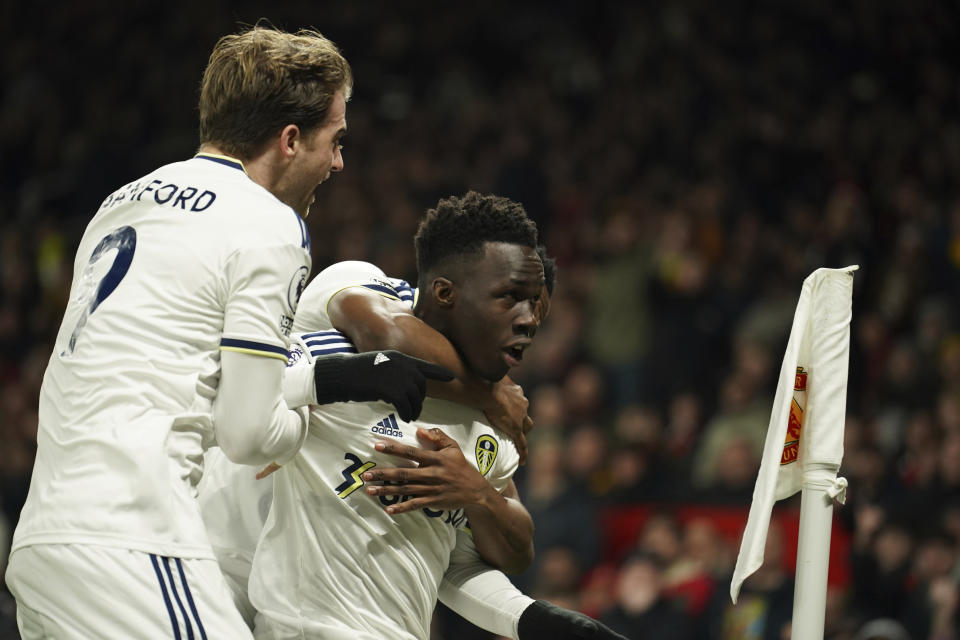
260	80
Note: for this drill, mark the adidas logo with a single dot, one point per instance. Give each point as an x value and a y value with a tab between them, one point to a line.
388	427
380	359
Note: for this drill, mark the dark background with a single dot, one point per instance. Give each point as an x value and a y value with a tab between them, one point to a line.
689	163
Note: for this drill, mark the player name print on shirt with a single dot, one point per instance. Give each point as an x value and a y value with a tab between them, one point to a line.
184	198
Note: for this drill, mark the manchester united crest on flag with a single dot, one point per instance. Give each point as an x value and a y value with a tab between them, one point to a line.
791	447
486	453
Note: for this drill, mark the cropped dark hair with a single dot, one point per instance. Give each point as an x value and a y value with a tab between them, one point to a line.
459	227
259	81
549	268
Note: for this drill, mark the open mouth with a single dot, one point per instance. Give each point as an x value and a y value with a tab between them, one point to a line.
514	354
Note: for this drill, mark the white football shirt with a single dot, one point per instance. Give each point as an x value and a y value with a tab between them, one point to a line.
330	560
190	259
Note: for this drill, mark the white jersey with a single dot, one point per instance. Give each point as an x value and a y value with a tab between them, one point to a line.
234	504
190	259
330	560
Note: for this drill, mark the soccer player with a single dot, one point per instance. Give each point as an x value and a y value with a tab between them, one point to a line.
175	337
471	586
337	558
332	560
235	505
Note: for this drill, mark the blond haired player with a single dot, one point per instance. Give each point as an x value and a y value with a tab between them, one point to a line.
175	338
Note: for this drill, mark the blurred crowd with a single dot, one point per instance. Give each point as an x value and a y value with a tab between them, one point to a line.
688	163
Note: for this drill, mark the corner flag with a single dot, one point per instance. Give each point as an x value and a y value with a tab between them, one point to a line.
804	442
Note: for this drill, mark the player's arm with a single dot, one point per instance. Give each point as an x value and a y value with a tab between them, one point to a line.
485	597
254	425
373	321
502	527
252	422
388	375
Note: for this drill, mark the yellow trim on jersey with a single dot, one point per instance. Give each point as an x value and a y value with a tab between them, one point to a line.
222	157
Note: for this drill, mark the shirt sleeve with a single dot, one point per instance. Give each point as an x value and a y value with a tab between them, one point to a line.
264	285
312	314
252	422
299	389
480	593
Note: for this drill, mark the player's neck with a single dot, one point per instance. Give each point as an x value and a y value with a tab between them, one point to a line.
262	168
430	316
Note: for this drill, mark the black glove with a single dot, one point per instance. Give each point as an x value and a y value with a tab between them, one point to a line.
545	621
390	376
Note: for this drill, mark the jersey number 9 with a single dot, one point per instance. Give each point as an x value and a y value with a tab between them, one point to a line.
90	294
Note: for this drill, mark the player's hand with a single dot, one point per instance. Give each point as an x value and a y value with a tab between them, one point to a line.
391	376
509	415
444	479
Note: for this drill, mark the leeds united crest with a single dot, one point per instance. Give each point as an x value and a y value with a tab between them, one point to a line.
486	453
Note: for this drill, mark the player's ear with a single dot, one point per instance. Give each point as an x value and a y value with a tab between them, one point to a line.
289	140
443	291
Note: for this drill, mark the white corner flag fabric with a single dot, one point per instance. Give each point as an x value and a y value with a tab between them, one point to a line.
805	437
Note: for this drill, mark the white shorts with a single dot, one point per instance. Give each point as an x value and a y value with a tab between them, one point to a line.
85	591
267	628
236	572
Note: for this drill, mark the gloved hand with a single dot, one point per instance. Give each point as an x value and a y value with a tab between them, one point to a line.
545	621
390	376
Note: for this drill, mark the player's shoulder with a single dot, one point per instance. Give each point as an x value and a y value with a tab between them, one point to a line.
312	312
348	271
248	210
495	454
333	279
357	273
469	421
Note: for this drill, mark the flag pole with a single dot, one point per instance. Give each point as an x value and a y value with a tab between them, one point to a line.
813	551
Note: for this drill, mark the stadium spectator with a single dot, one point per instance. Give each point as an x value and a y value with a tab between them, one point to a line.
641	611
